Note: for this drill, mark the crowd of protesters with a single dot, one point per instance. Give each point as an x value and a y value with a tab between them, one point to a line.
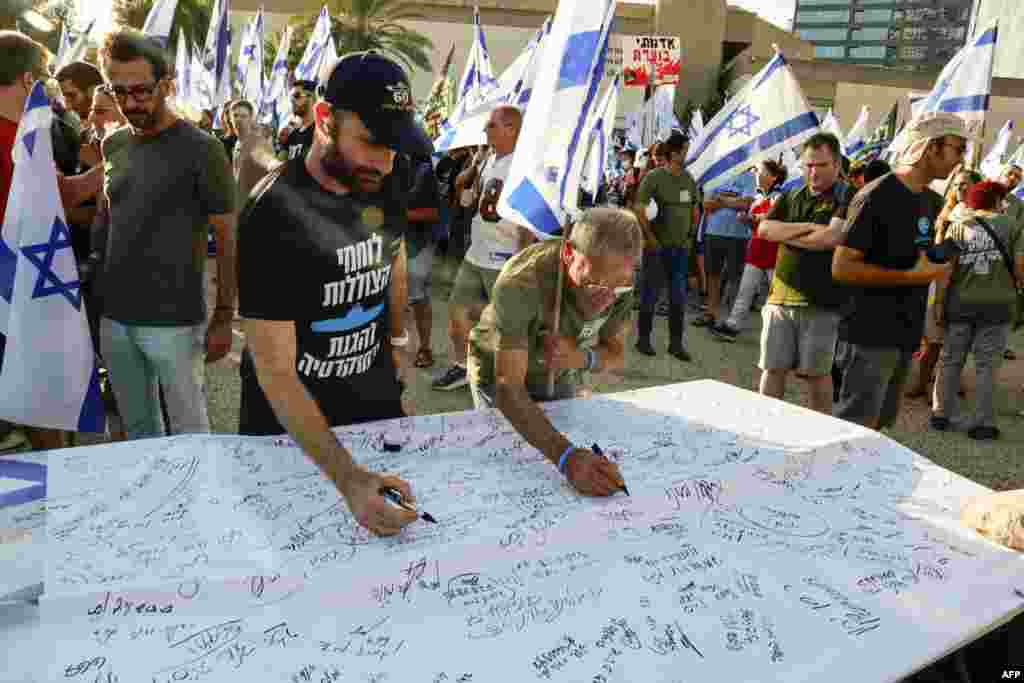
856	271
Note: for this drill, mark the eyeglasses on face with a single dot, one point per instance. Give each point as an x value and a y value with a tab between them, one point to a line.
140	93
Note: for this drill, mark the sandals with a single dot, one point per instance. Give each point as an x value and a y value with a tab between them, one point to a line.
424	359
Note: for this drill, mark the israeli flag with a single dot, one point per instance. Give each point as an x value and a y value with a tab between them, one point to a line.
64	46
183	73
769	114
696	124
217	54
477	82
277	97
664	110
313	56
330	57
466	127
544	178
159	20
830	124
79	45
794	171
199	82
858	136
992	166
250	63
964	87
634	129
599	138
49	376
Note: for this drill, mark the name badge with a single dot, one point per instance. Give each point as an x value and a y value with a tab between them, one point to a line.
684	197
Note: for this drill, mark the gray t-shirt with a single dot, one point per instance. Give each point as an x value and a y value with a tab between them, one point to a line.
162	191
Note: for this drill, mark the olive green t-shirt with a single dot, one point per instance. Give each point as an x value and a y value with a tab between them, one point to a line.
803	277
162	190
981	288
676	195
519	313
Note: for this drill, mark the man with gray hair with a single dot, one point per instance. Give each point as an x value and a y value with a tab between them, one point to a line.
512	349
883	261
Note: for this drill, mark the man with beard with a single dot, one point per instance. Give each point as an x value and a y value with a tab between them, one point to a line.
513	347
166	181
299	141
320	342
882	261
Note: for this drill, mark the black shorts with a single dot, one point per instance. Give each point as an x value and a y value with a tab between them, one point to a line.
257	418
724	254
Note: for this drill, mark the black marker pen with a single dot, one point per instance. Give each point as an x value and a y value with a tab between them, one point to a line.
597	449
394	497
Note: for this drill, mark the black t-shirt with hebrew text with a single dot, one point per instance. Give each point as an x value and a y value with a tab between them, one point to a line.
891	226
323	261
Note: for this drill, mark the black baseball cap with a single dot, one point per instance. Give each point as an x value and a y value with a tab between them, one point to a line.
377	88
308	86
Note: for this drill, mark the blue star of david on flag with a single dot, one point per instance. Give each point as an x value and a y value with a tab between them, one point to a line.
42	256
742	121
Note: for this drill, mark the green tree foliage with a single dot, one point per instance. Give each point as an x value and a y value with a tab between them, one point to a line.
192	16
362	25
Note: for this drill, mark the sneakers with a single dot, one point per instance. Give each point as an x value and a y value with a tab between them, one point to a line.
939	423
680	353
724	332
703	321
644	346
455	378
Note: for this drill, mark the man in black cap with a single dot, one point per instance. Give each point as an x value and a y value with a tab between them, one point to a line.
322	272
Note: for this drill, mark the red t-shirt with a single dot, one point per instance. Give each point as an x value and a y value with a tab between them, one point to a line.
762	253
8	134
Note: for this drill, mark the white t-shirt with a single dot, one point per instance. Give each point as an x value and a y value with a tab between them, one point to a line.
493	241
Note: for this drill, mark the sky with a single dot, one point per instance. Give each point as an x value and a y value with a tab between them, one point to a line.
779	12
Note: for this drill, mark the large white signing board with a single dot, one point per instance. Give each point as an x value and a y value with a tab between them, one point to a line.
761	542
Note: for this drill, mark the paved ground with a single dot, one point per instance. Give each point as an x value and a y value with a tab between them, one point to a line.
999	465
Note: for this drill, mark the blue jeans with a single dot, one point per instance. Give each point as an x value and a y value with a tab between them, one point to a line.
669	265
141	359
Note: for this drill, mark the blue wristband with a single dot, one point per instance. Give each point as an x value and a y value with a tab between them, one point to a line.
565	457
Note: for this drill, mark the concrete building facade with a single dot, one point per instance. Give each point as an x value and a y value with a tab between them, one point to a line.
919	34
712	36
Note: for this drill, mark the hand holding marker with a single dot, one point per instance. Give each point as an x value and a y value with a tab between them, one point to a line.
393	444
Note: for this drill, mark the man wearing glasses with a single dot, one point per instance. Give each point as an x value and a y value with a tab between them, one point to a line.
882	261
513	347
166	181
301	139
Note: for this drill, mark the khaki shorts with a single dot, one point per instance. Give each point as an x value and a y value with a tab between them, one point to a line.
473	286
799	338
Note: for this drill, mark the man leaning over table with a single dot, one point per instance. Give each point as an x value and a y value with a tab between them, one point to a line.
512	349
